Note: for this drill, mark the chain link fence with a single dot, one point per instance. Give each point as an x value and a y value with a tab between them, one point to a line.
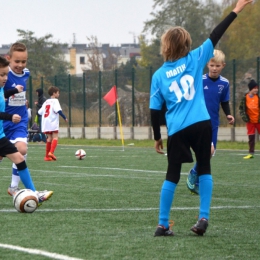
81	96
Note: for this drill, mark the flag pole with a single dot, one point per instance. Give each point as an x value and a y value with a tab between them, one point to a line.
120	124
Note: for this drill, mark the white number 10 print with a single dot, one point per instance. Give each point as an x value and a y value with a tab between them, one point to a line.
187	84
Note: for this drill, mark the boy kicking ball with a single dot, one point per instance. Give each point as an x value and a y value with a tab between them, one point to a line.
7	149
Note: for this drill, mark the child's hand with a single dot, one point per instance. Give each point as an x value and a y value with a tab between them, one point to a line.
66	120
36	102
16	118
231	119
19	87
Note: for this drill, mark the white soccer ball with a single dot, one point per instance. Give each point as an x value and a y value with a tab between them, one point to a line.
80	154
25	201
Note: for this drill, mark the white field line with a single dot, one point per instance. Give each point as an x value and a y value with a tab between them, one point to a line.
114	169
132	209
38	252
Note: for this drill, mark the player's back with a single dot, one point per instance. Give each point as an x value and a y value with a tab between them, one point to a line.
179	84
50	116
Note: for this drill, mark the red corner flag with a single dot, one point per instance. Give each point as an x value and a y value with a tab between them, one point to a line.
111	96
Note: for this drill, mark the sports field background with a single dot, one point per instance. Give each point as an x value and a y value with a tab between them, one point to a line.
106	207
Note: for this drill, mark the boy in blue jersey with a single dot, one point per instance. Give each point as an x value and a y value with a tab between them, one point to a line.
7	149
216	91
17	133
178	83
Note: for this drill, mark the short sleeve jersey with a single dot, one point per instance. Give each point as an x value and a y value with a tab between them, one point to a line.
16	103
179	83
215	92
50	115
252	108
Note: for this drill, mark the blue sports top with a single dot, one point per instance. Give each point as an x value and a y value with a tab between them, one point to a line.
16	103
179	83
215	92
2	109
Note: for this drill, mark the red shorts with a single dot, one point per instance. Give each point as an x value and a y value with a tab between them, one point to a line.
251	127
50	132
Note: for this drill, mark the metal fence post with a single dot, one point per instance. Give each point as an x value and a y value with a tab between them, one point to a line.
99	97
84	99
30	99
258	70
233	132
42	83
116	75
133	97
69	81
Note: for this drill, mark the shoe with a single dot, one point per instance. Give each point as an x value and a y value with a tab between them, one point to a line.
12	190
43	196
200	227
250	156
162	231
193	182
51	155
48	159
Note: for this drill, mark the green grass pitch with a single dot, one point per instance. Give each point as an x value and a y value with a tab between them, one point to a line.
106	207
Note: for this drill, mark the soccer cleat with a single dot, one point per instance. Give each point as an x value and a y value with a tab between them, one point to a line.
193	182
200	227
43	196
250	156
162	231
48	159
51	155
12	190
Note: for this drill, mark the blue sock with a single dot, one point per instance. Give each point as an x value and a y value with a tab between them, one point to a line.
166	199
26	179
205	189
15	172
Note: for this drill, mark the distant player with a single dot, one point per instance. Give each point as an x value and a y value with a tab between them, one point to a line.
7	149
249	109
50	112
216	93
16	104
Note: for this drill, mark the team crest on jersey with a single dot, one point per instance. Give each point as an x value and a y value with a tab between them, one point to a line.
206	87
14	85
220	88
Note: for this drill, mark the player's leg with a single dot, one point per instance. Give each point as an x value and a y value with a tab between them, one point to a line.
178	151
48	147
54	144
21	145
25	176
11	152
251	140
202	148
214	140
193	179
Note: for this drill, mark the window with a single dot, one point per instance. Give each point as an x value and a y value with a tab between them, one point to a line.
82	60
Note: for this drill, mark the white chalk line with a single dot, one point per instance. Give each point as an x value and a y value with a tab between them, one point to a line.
38	252
131	209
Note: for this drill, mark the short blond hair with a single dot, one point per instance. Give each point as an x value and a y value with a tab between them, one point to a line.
175	43
219	56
